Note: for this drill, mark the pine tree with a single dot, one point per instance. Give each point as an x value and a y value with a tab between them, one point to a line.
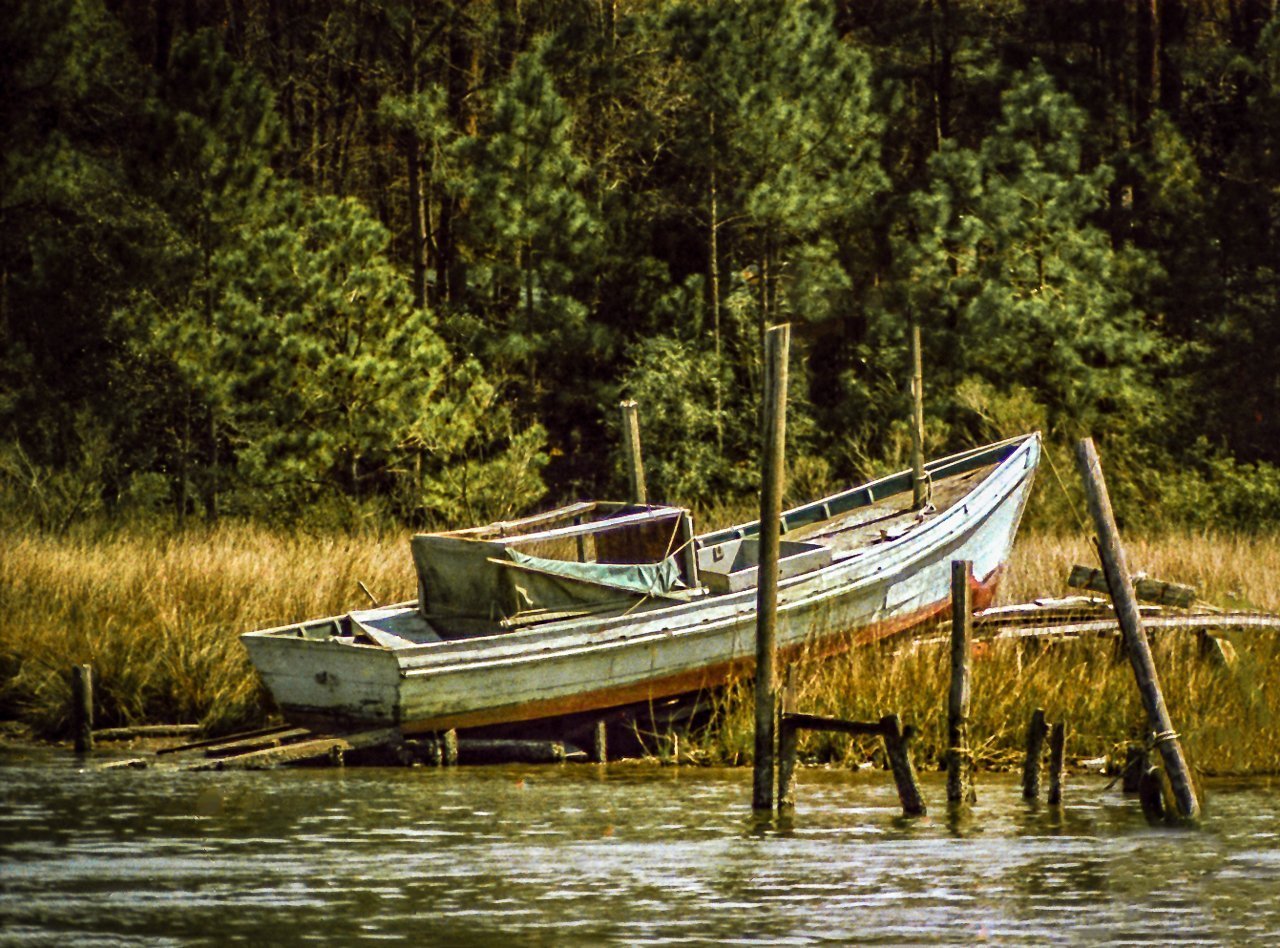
1014	284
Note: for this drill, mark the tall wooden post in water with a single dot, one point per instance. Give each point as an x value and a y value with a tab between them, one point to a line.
959	756
919	485
777	347
631	445
1135	638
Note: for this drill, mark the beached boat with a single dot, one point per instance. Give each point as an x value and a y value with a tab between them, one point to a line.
598	605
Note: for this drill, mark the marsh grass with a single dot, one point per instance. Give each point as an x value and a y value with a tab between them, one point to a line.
157	614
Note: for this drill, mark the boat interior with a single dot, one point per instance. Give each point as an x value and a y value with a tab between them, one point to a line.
602	559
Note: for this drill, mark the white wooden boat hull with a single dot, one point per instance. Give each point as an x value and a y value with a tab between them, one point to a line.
582	665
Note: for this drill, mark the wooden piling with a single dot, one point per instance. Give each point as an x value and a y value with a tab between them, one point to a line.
449	748
1057	761
82	707
777	347
788	744
1138	648
1135	765
1036	732
600	743
960	789
919	483
897	745
631	446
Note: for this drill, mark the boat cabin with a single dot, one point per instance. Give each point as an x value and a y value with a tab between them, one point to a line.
587	558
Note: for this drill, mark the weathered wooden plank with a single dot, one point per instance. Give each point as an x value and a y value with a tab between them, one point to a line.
1146	588
235	746
221	739
1111	626
303	751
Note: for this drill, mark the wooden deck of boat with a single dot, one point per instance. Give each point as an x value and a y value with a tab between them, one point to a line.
889	517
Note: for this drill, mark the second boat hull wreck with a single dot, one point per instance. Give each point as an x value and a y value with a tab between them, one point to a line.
595	606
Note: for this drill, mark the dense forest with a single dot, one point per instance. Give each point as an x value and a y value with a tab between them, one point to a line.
325	261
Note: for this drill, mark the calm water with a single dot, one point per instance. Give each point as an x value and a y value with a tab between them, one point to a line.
624	854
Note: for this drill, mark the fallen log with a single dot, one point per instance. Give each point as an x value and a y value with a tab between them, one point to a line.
1144	587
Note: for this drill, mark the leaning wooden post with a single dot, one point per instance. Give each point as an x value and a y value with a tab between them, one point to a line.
959	757
919	484
1057	761
897	745
631	445
1135	638
1036	732
777	346
82	707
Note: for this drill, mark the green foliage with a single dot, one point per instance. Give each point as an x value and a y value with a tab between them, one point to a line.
1013	283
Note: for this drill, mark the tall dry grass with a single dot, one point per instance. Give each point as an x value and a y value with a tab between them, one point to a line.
1229	718
157	615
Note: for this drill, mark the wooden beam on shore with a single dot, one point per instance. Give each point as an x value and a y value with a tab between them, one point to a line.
310	751
777	349
145	731
1138	648
1146	589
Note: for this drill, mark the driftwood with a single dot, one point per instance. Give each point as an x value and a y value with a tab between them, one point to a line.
1145	588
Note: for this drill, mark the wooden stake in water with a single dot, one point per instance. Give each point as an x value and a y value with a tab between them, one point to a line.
897	746
82	707
1057	761
631	445
1036	732
1135	638
959	757
777	347
788	744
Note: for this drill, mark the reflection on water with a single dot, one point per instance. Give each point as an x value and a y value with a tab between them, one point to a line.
623	854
